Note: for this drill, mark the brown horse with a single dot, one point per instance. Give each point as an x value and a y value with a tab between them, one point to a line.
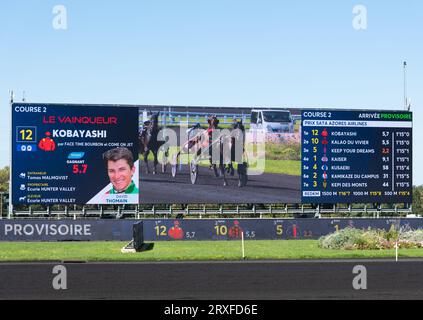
216	147
149	141
237	147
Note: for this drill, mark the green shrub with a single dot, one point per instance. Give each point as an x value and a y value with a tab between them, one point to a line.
392	234
371	239
412	236
340	239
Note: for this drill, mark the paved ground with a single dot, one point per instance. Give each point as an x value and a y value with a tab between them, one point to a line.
268	280
265	188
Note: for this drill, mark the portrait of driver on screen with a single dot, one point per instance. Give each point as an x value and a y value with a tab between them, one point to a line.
120	168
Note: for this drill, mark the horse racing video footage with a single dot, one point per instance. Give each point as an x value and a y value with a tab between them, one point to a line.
205	155
74	154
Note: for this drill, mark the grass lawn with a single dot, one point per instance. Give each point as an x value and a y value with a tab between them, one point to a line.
178	251
290	167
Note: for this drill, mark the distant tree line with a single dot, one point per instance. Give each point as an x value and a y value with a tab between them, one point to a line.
417	200
4	179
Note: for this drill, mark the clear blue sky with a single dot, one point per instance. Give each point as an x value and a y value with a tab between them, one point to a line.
229	53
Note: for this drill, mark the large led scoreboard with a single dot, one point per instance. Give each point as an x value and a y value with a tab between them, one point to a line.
59	156
356	156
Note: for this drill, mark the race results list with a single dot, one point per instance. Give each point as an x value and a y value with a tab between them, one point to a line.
356	157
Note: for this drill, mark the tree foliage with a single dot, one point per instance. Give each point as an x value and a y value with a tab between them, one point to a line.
417	200
4	179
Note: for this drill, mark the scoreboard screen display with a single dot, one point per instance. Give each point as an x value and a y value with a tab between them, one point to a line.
99	154
60	154
356	157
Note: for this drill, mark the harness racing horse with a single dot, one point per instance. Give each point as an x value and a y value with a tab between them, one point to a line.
216	145
203	144
237	153
149	142
220	148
